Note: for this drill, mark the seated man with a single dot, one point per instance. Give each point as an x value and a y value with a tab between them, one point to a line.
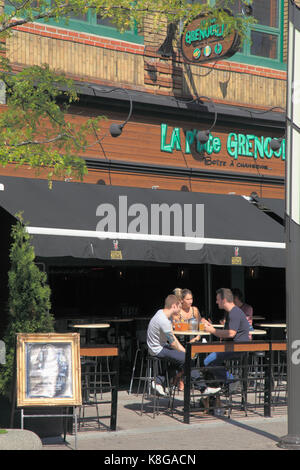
163	344
236	329
238	299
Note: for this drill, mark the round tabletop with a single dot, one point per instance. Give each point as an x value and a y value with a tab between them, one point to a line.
191	333
273	325
120	320
92	325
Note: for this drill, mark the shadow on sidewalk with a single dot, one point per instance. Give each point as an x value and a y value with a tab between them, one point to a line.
252	429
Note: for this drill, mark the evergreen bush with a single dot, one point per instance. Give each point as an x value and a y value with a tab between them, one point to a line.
29	299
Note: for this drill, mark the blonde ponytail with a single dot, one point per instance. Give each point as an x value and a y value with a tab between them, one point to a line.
178	292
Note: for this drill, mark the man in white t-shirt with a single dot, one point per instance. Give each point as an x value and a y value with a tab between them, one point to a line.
160	330
163	344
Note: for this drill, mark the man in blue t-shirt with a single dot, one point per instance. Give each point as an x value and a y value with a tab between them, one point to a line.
236	329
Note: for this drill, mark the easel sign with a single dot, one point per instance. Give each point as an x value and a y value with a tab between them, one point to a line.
48	369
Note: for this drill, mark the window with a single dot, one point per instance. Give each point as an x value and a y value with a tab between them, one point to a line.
90	23
94	24
265	45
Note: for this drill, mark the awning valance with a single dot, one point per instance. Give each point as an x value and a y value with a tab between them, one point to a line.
69	220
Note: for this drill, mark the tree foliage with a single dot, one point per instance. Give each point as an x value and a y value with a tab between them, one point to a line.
33	127
29	299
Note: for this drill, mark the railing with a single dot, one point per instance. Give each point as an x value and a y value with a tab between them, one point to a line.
270	367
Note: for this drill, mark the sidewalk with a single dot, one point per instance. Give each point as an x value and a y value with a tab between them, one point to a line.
143	433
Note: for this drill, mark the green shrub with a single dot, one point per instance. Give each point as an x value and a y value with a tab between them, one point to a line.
29	299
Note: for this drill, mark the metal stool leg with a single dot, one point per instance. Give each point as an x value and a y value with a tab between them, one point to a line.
153	369
133	370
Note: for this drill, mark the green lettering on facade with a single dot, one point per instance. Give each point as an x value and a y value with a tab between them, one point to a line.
175	139
232	145
267	148
189	140
241	144
247	145
217	144
258	147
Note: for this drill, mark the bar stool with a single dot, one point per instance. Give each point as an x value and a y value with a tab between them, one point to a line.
237	370
279	377
139	358
154	367
88	390
101	370
93	385
256	377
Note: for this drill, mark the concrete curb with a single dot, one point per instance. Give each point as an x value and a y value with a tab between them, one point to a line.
20	439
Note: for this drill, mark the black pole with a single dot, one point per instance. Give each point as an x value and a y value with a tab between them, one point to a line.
14	388
268	361
187	384
292	219
114	393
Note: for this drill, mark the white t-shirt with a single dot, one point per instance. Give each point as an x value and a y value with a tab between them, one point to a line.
158	329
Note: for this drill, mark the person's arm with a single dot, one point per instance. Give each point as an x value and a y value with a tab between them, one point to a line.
197	314
219	333
196	338
174	343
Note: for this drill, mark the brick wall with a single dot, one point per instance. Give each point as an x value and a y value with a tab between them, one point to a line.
77	54
102	60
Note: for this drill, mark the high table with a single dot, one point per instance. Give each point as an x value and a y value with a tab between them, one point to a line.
190	333
126	353
118	322
272	331
252	332
257	332
88	327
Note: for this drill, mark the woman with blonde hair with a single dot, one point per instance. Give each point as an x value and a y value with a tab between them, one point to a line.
187	313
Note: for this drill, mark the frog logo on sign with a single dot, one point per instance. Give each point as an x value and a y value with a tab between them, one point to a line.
205	40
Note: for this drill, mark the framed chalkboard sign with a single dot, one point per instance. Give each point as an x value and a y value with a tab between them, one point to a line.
48	369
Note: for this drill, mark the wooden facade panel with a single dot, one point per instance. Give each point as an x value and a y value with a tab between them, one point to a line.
233	86
80	60
142	180
140	142
202	185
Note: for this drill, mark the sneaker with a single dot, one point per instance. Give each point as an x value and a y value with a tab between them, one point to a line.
211	390
158	388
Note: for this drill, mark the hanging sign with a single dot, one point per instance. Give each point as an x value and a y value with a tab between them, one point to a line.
204	40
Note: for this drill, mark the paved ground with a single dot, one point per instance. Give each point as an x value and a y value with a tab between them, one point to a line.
169	433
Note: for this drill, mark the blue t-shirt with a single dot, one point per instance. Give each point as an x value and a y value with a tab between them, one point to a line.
236	320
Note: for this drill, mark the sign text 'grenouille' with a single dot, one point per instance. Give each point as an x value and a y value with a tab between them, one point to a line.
237	145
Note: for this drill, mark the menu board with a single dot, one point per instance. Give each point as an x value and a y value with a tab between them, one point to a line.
48	369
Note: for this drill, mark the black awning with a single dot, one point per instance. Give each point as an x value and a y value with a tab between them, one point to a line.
89	208
275	206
